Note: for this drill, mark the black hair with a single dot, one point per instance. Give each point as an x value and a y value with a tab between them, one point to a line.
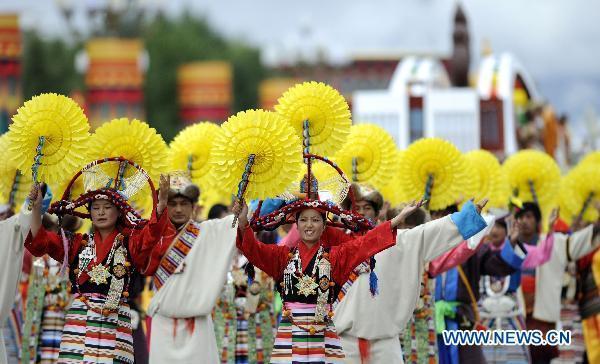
48	223
71	223
416	218
216	211
323	216
374	206
533	208
501	223
448	210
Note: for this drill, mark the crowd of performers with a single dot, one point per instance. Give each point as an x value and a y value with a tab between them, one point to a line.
301	279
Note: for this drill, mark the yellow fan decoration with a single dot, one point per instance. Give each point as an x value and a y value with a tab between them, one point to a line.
262	144
568	212
579	190
324	109
190	150
491	182
591	158
434	167
369	155
11	178
49	134
134	140
471	189
76	190
142	202
533	176
393	192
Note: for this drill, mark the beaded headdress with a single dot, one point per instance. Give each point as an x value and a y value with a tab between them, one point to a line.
309	199
98	184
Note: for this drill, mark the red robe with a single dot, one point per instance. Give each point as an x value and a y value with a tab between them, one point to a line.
272	259
157	234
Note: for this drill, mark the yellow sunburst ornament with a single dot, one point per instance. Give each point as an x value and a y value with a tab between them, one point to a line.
591	158
533	176
579	189
392	191
49	136
491	182
134	140
190	150
369	155
257	153
14	185
434	168
319	114
471	188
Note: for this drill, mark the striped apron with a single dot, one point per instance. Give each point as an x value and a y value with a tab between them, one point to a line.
92	338
295	345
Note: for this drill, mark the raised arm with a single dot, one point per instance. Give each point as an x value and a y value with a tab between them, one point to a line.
148	245
503	262
541	253
45	242
581	242
269	258
439	236
350	254
40	241
450	259
36	209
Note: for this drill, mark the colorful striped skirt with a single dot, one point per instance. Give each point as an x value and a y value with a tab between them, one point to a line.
53	322
92	338
296	345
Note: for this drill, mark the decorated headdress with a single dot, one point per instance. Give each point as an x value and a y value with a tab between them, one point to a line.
363	192
181	185
286	214
98	185
137	142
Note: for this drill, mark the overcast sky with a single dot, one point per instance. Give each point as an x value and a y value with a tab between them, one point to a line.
558	41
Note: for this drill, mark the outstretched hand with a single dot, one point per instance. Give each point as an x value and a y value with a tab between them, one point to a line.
35	198
481	204
553	217
163	192
406	212
513	229
383	212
